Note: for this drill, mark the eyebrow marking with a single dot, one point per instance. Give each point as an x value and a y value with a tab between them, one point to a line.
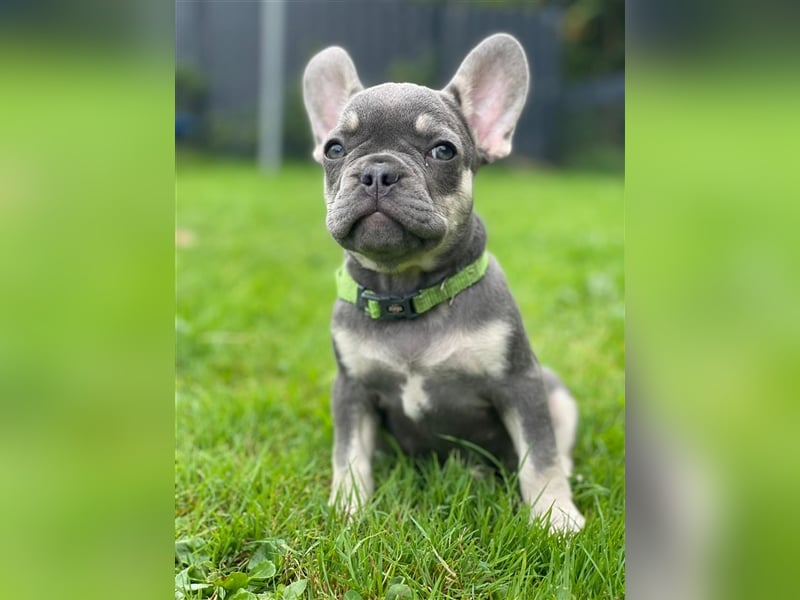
424	124
350	121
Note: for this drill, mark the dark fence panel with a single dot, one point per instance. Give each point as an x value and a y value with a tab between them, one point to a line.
219	42
376	34
393	39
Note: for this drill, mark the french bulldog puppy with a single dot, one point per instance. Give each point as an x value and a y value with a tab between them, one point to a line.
429	343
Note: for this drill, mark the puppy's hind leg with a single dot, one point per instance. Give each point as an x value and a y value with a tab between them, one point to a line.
525	410
564	413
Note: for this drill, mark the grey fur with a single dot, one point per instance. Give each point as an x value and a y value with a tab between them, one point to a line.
403	213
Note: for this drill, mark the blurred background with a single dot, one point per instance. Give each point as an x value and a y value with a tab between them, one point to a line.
239	67
254	261
87	224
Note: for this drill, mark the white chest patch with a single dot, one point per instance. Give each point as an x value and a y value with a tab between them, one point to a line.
479	351
415	401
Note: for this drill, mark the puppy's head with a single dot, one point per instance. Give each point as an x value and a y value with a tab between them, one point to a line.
399	158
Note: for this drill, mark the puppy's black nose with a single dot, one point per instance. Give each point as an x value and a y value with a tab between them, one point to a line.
378	178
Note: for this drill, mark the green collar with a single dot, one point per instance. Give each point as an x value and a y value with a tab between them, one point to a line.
411	305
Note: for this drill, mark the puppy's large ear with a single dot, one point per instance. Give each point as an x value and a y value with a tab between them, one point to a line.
329	81
491	86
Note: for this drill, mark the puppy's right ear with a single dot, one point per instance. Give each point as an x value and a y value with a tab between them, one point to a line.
329	81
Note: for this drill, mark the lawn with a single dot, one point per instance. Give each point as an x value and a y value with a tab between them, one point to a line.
254	368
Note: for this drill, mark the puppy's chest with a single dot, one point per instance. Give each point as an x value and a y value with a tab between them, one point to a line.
424	369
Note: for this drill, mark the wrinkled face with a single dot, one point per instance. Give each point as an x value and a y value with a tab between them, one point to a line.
398	175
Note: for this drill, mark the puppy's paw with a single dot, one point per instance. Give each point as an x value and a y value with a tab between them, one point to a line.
345	507
347	500
564	516
566	519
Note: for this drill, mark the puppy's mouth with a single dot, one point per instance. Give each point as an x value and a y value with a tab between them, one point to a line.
377	220
390	227
378	234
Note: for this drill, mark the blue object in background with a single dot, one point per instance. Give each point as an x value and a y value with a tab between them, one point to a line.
185	124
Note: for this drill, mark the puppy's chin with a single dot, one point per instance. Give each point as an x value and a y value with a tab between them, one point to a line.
380	237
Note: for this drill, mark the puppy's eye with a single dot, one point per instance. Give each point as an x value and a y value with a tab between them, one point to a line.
443	151
334	150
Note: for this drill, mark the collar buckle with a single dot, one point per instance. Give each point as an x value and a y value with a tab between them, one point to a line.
381	306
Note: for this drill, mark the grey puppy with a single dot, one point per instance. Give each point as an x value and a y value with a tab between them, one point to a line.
429	343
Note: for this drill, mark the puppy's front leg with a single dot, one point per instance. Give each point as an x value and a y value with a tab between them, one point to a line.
354	429
542	479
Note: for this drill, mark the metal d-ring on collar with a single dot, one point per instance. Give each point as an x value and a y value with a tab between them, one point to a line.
413	304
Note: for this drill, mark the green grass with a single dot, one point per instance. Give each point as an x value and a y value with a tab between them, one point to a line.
255	365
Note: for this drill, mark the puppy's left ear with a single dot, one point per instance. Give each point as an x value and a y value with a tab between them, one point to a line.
329	81
491	86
